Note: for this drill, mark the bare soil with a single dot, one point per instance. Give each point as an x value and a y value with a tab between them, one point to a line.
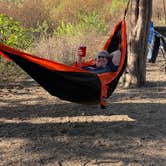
39	129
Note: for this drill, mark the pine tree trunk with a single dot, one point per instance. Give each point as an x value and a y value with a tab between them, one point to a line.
138	29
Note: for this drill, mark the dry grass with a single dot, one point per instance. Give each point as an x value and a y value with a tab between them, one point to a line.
68	12
34	12
64	49
158	15
31	13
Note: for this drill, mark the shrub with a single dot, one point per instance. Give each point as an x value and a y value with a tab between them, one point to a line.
90	22
13	34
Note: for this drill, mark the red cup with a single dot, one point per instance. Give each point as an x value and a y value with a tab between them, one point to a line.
82	51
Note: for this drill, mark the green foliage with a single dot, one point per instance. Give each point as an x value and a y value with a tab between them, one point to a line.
41	31
116	5
93	21
67	29
13	34
88	22
17	2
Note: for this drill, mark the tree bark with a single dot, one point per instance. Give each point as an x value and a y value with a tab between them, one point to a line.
140	12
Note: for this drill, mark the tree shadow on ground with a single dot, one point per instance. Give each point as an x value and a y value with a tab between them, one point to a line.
64	131
110	141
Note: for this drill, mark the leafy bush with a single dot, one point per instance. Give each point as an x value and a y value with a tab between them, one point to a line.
90	22
93	21
13	34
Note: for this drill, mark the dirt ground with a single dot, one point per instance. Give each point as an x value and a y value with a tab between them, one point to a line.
39	129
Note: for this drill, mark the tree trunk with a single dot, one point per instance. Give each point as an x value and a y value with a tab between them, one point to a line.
140	12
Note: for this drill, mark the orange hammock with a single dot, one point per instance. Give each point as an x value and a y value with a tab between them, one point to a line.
70	82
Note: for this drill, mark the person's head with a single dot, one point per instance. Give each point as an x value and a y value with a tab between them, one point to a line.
101	58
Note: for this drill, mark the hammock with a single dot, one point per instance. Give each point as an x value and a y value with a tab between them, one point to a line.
70	82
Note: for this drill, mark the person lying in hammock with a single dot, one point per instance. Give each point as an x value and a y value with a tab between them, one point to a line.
105	62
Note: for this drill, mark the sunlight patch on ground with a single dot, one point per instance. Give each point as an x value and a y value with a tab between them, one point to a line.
75	119
140	101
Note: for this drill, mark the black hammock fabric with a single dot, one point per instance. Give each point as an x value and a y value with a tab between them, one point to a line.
70	82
